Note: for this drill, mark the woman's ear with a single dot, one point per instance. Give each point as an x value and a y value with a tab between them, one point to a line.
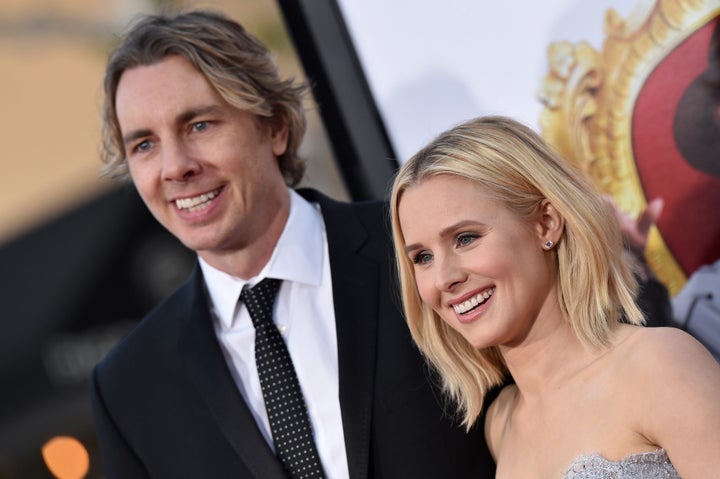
549	225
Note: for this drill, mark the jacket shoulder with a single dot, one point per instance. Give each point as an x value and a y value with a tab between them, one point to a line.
154	335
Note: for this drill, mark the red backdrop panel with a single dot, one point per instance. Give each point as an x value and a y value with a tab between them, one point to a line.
690	223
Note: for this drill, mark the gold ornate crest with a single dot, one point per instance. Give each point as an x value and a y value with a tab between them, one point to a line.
588	98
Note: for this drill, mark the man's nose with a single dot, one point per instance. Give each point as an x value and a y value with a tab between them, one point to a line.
178	162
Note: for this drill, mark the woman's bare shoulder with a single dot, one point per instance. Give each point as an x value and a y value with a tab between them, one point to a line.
665	366
673	383
666	346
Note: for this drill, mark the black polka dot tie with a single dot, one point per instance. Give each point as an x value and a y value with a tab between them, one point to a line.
287	413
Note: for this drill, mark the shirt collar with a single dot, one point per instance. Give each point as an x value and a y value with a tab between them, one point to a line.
298	257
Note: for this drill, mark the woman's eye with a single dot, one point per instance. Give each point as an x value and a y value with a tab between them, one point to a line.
422	258
465	239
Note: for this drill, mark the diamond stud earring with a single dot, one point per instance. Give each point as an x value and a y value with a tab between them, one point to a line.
548	244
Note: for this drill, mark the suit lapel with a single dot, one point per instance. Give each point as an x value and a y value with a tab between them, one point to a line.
206	365
355	295
355	283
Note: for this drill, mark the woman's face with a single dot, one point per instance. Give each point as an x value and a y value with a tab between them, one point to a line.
483	270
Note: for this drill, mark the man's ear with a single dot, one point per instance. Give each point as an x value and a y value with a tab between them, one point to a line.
550	224
279	135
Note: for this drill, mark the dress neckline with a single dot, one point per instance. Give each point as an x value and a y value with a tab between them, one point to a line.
597	462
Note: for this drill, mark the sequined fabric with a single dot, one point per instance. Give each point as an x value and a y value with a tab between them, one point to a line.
646	465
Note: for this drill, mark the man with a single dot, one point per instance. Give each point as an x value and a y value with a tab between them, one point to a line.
197	116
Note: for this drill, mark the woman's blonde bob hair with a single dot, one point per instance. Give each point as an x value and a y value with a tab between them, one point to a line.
515	166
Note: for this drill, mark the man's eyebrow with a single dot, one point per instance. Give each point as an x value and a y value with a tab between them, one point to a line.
134	135
184	117
195	112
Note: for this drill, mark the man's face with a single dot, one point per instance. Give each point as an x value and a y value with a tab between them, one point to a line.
207	171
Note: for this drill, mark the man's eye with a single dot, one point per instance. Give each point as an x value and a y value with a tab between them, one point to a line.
422	258
143	146
200	126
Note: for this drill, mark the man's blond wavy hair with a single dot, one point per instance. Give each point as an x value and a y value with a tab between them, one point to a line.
235	63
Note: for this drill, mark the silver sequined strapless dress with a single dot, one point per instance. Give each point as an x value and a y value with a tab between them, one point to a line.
646	465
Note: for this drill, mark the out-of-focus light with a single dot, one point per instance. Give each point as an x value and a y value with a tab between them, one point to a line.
66	457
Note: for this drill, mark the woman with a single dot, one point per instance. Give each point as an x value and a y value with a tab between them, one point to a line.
512	270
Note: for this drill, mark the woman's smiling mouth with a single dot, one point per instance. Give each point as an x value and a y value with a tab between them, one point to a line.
473	302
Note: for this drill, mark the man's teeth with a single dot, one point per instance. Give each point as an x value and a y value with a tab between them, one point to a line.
473	302
196	203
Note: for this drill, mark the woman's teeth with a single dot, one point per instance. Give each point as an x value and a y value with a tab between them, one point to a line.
473	302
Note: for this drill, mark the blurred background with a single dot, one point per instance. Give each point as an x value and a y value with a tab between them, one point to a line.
81	261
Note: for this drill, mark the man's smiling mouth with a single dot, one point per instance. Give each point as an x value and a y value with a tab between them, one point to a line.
196	203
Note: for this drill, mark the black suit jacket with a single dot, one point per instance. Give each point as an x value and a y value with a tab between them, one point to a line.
166	406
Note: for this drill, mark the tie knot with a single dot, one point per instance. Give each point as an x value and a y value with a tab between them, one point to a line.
260	299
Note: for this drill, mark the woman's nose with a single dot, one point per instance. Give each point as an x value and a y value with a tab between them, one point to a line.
449	273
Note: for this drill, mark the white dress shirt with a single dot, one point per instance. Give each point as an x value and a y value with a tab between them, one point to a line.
305	316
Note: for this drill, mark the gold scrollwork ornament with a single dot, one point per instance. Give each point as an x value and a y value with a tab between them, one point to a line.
588	99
